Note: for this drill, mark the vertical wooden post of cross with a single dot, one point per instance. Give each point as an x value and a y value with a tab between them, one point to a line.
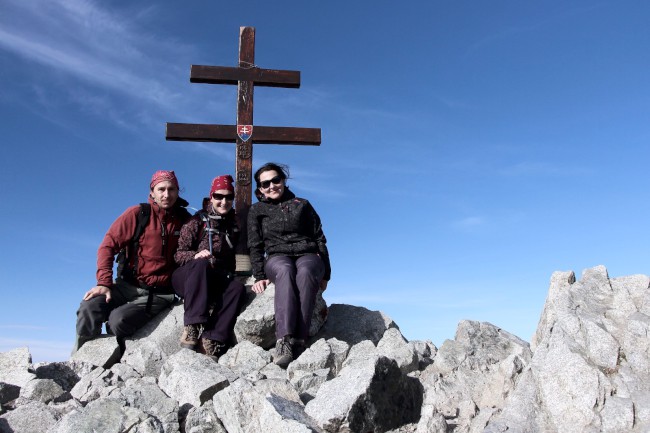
244	158
244	153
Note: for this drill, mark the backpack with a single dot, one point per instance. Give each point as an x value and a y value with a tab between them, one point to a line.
124	270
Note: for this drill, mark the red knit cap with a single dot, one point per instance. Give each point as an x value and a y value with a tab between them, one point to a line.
163	175
222	182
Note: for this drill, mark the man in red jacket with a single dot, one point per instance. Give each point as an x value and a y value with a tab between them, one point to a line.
144	287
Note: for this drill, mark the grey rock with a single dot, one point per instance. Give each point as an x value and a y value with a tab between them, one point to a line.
425	351
354	324
63	408
393	345
8	392
79	368
361	353
192	378
256	323
272	371
102	352
60	372
150	346
475	371
15	365
317	364
124	372
145	395
98	383
371	395
203	420
245	358
33	417
277	408
147	357
44	390
107	415
589	371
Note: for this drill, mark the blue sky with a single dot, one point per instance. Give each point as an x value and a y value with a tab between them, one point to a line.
470	149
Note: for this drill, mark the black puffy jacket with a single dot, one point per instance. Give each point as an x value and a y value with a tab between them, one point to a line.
287	227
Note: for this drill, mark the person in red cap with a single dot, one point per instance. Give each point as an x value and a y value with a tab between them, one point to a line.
142	287
206	277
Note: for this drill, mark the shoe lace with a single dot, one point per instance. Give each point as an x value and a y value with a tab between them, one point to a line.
285	347
193	331
212	347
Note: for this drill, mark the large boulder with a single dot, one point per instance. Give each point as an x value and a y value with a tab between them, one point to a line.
354	324
107	415
152	344
192	379
470	375
590	370
103	351
33	417
15	367
256	323
271	406
370	393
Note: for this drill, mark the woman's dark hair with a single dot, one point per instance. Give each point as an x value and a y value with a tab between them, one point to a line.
281	169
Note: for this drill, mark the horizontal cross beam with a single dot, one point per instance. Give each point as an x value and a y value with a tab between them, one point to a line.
228	75
228	134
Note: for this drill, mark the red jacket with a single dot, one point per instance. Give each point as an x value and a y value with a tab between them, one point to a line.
155	253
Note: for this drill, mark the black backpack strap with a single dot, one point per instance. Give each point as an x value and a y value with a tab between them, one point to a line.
124	269
143	220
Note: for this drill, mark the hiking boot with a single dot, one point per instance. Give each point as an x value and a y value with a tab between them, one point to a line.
298	346
283	352
214	348
190	337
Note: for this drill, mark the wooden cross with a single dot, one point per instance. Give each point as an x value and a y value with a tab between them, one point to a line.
244	134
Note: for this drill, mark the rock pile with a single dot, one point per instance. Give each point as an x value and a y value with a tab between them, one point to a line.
586	370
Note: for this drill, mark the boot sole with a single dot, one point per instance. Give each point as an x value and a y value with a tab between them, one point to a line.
188	346
283	361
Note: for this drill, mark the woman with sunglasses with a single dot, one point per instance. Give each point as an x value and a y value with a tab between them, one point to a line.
205	278
288	248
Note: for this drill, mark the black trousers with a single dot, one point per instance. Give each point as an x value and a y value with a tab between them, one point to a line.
210	297
125	313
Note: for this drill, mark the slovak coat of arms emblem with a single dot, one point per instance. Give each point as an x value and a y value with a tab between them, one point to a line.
244	132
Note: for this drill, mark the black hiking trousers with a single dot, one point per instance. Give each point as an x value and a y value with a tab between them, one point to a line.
124	314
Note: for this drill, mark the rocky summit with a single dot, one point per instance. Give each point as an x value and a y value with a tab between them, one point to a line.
587	369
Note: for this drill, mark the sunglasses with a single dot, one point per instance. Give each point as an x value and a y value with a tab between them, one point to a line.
277	180
229	197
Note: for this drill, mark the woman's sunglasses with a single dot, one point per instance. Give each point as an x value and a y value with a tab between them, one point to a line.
267	183
229	197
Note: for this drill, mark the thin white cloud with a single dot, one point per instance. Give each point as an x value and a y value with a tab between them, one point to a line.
220	150
539	168
506	33
97	59
109	65
469	222
24	327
